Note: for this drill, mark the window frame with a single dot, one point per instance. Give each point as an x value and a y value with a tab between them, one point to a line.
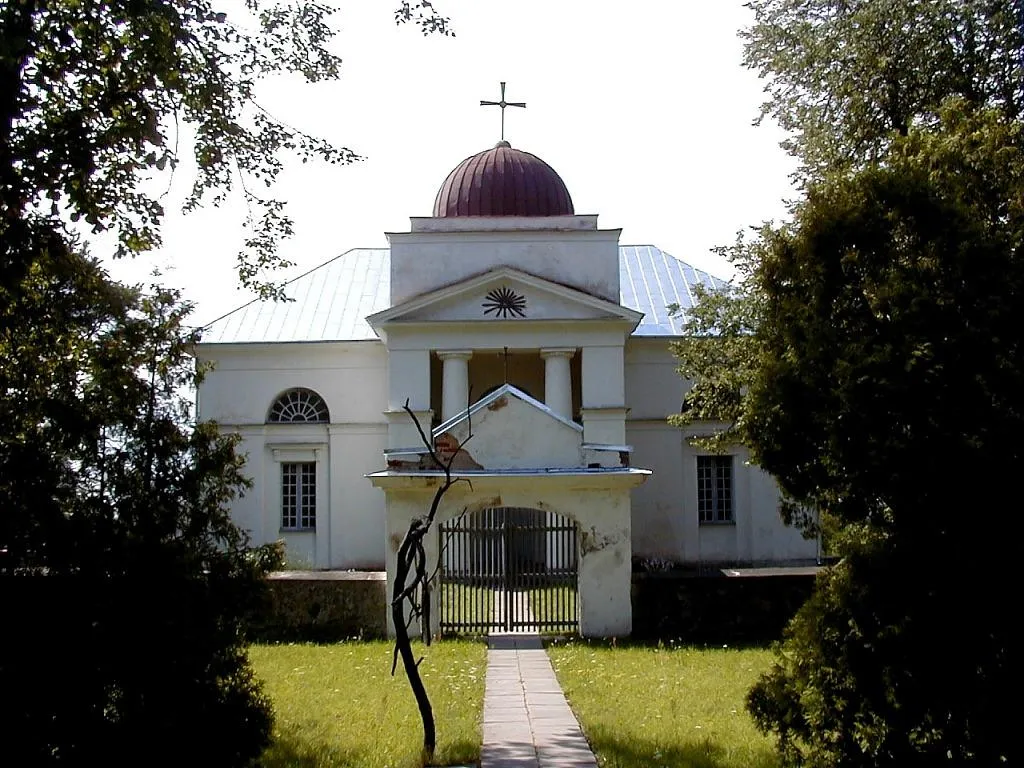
714	515
296	399
303	508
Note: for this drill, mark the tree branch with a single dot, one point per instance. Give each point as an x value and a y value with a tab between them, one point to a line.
412	564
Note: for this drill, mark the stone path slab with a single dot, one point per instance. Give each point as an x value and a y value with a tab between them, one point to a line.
527	721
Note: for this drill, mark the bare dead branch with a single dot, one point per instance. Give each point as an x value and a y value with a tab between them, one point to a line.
447	539
411	575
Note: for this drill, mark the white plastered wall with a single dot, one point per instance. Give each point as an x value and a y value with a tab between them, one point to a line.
569	250
665	518
352	379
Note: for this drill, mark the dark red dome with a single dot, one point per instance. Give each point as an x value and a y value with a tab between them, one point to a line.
503	182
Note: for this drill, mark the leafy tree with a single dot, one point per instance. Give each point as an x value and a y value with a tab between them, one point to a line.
886	390
846	75
879	335
98	96
718	354
125	586
896	282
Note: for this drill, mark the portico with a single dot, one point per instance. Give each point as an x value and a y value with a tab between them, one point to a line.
539	289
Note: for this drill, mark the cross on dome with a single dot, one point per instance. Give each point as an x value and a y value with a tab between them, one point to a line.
503	181
502	104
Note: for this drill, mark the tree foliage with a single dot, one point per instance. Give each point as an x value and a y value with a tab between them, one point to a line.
897	282
126	586
96	97
887	392
718	355
880	334
844	76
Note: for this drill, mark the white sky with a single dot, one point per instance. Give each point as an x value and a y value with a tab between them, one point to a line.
642	107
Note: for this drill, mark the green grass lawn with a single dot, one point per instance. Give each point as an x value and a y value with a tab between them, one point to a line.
672	706
338	706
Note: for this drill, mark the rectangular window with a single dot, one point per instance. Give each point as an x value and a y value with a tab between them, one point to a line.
298	496
714	489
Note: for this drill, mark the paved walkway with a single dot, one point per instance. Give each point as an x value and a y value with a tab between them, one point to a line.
522	614
527	721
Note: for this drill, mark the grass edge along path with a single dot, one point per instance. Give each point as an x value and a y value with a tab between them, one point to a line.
337	706
676	706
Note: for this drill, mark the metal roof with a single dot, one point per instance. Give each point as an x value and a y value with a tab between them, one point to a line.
503	181
651	279
328	303
331	302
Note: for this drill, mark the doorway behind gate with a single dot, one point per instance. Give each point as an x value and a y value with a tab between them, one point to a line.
507	569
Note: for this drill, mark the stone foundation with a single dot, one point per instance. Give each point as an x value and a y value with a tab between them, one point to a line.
324	606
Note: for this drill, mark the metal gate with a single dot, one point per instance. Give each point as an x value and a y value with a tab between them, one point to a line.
507	569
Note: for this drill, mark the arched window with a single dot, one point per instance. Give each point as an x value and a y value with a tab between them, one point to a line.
299	406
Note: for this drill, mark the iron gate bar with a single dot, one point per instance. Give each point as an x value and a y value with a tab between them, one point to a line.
509	568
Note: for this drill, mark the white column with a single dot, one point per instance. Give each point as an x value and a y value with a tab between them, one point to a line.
454	382
558	380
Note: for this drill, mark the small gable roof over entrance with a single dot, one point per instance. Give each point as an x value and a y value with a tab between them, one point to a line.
488	401
511	430
332	301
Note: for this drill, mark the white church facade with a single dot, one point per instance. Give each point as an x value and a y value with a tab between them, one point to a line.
507	316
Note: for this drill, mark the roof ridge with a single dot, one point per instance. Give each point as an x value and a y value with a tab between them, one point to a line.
295	279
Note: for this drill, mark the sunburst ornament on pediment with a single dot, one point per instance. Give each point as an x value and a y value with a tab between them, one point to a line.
504	302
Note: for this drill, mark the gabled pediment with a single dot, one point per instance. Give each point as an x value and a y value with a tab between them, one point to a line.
511	430
504	294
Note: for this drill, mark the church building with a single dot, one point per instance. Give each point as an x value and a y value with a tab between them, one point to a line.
521	335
